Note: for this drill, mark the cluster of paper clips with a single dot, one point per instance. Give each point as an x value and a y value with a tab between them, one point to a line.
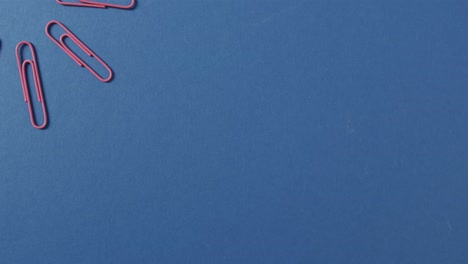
60	42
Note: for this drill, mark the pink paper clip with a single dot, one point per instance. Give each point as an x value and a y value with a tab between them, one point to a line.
93	2
37	82
67	50
79	4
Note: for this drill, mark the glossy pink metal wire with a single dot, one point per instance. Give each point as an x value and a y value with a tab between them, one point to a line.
96	4
37	82
67	50
79	4
93	2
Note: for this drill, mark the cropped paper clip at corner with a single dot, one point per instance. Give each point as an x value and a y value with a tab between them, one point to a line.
81	4
96	4
93	2
61	43
37	82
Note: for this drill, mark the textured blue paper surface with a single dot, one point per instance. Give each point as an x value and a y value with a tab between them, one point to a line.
240	132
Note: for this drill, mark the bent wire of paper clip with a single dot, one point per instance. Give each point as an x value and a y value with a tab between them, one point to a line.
96	4
22	65
61	43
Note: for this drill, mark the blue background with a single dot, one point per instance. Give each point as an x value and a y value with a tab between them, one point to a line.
240	131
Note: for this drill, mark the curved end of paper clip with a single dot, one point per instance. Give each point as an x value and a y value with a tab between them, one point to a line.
51	23
97	75
47	27
111	75
44	124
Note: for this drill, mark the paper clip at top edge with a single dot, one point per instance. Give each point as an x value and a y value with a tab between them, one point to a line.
69	52
93	2
81	4
37	82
